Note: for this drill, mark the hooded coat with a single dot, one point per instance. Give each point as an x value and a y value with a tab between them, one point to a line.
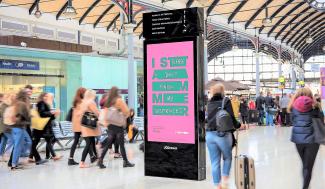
302	114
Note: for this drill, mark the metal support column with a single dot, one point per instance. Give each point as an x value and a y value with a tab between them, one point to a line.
293	78
257	90
132	72
206	78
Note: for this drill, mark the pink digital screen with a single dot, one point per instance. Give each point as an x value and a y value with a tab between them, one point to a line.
170	92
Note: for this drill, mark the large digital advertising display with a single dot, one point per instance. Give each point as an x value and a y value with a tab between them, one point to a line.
170	92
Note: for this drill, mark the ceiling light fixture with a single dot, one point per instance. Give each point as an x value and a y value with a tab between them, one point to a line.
70	11
267	20
309	39
37	13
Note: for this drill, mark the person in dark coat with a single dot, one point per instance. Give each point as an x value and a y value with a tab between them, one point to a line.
243	110
44	111
129	123
260	102
303	110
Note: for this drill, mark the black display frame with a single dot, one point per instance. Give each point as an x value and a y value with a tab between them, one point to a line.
179	163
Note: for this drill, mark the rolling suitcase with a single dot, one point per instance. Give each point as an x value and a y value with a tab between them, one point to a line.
244	170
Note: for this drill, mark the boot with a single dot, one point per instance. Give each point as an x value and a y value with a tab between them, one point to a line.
128	164
100	164
72	162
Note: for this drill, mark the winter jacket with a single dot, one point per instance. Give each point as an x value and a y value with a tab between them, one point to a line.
22	114
243	109
260	101
45	112
302	114
213	106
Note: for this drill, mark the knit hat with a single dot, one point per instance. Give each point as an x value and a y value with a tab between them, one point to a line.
303	104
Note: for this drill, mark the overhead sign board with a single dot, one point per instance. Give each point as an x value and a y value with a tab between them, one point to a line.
174	23
18	65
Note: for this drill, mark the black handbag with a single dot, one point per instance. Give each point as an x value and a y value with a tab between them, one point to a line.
89	120
69	115
319	130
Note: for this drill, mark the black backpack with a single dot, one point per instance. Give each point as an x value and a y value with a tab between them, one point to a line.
69	115
224	121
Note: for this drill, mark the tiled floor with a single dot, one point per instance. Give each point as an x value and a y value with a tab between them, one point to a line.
277	167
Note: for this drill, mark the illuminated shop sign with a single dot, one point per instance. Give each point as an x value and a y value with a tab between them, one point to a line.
19	65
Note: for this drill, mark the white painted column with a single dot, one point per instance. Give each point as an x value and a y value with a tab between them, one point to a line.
132	69
293	78
257	90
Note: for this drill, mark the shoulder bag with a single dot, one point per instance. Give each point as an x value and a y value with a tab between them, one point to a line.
319	130
116	117
38	122
89	120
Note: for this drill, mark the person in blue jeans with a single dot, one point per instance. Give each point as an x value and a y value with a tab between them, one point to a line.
269	104
17	116
220	143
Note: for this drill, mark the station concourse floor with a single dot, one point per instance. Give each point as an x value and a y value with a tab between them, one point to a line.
277	167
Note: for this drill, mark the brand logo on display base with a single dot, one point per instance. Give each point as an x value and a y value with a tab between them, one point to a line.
170	148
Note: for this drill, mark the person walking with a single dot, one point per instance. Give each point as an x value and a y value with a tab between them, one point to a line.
116	131
88	105
43	108
260	103
243	110
284	102
5	130
76	123
269	106
219	143
17	116
302	110
131	129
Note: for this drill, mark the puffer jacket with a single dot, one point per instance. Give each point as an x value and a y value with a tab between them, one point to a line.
302	114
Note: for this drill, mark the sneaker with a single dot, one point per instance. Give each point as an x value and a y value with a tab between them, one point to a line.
82	165
42	161
101	165
72	162
128	164
16	168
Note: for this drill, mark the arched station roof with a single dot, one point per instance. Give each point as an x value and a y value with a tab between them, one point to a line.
293	21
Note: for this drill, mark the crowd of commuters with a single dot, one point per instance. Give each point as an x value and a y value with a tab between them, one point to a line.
20	134
299	111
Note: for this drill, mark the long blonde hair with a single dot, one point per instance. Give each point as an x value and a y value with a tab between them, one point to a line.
300	92
218	88
9	98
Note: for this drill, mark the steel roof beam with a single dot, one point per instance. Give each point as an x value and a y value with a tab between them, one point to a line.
88	11
189	3
61	10
212	6
298	24
138	25
31	9
257	13
103	14
300	38
277	12
233	14
141	34
314	35
283	18
290	22
112	22
302	27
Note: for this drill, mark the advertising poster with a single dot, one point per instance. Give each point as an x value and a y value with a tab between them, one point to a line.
322	82
170	92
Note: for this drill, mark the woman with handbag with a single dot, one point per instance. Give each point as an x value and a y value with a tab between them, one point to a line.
303	111
89	128
44	110
118	111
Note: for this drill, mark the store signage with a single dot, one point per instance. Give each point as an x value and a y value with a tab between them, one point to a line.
19	65
175	23
170	78
322	82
